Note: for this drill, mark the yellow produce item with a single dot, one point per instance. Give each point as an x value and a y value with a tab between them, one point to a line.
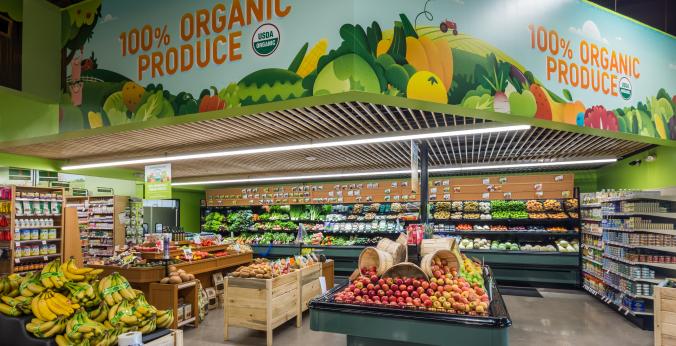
570	111
95	119
311	59
416	55
446	60
383	46
426	86
433	57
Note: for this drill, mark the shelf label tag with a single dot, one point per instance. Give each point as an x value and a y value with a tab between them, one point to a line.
16	260
44	242
45	258
18	243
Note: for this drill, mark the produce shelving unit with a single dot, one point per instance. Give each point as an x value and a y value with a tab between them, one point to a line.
373	325
634	252
35	228
518	266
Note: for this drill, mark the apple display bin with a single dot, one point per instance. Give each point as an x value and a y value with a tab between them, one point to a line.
373	325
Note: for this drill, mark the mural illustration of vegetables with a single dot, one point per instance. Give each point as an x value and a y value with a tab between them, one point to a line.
420	62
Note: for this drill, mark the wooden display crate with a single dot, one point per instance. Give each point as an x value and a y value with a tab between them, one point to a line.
665	316
166	296
262	304
309	284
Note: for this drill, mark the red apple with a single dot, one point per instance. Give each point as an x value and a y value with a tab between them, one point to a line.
374	278
402	287
392	299
416	283
397	293
417	302
409	300
415	294
389	293
370	287
381	293
448	288
381	282
364	291
429	291
420	290
424	297
377	287
399	281
425	284
433	286
427	303
404	294
385	287
371	293
408	281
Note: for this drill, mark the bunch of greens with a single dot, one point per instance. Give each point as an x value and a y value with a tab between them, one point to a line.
239	221
213	222
515	206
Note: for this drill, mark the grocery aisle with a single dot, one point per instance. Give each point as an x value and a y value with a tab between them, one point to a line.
559	318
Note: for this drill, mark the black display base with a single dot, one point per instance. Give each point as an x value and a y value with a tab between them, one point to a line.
14	329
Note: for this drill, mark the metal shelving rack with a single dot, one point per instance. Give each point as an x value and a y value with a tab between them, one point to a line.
637	248
44	206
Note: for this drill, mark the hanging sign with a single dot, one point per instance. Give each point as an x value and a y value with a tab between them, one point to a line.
158	181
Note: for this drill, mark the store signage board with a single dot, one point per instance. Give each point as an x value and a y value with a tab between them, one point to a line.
572	63
158	181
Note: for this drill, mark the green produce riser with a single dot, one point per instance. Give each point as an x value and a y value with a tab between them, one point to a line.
550	268
365	330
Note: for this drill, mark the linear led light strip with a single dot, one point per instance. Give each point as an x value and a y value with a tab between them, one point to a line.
406	137
395	173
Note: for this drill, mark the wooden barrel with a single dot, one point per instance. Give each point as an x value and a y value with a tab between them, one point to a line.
428	261
403	240
405	269
394	248
428	246
372	257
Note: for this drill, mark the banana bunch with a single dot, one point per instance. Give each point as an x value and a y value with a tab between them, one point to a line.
20	302
114	288
100	314
142	308
9	310
31	285
49	305
165	318
82	293
80	327
46	329
122	314
73	273
52	276
9	285
148	325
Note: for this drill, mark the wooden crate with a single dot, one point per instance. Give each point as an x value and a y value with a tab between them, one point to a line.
262	304
309	284
665	316
165	296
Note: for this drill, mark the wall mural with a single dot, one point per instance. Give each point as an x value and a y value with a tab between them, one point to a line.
125	67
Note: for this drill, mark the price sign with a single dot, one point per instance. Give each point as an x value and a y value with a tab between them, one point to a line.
187	253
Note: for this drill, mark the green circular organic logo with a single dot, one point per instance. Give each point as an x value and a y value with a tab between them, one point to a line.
624	87
265	39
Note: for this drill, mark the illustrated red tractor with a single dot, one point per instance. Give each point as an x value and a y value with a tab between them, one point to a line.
447	24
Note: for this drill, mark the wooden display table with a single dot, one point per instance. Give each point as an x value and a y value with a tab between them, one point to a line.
262	304
140	278
166	296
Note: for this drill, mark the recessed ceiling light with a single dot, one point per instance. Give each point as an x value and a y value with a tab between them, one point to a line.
397	172
310	158
407	136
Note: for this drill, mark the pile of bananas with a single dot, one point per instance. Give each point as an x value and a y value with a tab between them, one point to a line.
72	305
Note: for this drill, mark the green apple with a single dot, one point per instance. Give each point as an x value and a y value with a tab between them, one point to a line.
522	104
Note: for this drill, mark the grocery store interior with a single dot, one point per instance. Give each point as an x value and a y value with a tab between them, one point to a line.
341	173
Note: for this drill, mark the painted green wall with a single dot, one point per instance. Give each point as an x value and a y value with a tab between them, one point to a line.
41	50
22	115
190	208
660	173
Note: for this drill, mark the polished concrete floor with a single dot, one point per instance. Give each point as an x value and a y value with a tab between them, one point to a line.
559	318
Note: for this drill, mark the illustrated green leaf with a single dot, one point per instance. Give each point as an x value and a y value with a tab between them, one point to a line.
151	108
115	109
567	95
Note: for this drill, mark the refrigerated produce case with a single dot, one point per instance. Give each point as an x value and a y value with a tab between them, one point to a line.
373	325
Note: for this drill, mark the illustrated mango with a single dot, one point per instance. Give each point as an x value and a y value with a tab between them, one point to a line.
426	86
571	110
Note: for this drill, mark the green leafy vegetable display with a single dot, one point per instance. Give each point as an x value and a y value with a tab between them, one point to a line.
213	222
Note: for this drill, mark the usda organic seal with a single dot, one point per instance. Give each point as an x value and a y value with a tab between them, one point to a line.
625	88
265	39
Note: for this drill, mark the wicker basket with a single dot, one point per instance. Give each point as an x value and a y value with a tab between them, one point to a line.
453	261
405	269
372	257
394	248
428	246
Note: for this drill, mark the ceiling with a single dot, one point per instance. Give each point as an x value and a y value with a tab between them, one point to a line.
321	123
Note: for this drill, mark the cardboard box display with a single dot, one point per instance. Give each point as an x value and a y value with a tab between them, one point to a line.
212	298
180	312
187	311
218	281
